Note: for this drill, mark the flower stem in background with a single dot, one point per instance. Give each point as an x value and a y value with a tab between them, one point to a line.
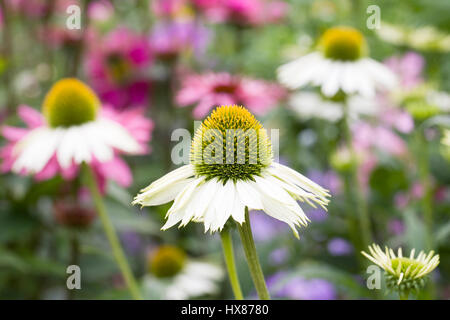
227	245
424	176
403	295
76	55
6	57
248	243
74	258
357	200
111	235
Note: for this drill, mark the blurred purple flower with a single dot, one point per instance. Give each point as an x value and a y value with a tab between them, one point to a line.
339	247
242	12
132	241
279	256
169	38
396	226
302	289
327	179
264	227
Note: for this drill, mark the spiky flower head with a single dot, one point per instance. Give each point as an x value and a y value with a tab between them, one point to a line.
70	102
230	145
403	274
343	43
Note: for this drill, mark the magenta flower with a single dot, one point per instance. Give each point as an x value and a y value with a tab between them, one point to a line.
210	90
49	145
116	67
170	38
242	12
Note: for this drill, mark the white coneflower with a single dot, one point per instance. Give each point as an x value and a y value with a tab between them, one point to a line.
180	276
340	64
403	274
210	191
74	132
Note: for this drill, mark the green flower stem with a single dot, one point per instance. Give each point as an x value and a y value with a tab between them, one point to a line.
245	232
112	236
403	295
227	245
360	200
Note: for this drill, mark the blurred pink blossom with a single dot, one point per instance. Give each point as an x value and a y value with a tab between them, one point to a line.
210	90
408	68
169	38
100	11
167	8
366	139
368	136
398	119
116	68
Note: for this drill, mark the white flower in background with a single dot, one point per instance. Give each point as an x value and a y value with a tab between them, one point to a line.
179	276
212	189
403	273
341	64
308	105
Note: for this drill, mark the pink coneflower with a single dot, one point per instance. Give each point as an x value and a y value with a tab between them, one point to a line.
116	67
242	12
210	90
74	129
170	38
